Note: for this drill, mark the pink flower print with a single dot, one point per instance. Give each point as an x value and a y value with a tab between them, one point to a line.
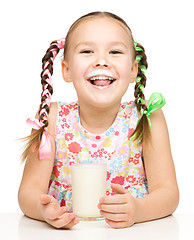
123	106
98	137
75	106
60	113
116	133
141	171
131	179
65	111
60	155
57	131
74	147
118	180
94	145
122	150
108	175
69	136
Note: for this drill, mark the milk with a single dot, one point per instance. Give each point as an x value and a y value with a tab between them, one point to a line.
88	186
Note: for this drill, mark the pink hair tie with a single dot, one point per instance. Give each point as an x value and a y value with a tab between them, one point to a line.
46	72
45	145
46	92
60	43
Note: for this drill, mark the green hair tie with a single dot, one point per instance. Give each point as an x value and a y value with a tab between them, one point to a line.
137	48
143	69
138	58
138	79
141	100
141	87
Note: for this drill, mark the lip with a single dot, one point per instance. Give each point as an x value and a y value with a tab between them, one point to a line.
100	72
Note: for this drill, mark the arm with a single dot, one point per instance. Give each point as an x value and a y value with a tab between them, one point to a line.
36	176
163	195
122	210
32	195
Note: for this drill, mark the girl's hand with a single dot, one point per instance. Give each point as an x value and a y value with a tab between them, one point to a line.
119	209
55	215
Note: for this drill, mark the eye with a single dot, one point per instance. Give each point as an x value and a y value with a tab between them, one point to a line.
86	51
115	52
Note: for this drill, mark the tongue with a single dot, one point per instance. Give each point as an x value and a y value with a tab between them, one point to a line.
102	82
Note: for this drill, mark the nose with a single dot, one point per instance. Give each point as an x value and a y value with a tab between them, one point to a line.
101	62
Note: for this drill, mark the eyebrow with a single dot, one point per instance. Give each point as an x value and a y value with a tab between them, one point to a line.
92	43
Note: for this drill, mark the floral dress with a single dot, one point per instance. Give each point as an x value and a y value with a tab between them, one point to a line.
74	144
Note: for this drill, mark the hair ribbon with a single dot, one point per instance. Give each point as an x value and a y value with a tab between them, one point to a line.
45	145
155	102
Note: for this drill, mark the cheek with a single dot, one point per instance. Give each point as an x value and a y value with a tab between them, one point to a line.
125	70
77	69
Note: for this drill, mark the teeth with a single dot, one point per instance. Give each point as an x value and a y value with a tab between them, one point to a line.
101	78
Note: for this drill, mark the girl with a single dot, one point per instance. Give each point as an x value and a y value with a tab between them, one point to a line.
101	59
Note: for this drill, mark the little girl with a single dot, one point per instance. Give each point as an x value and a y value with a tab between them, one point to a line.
101	59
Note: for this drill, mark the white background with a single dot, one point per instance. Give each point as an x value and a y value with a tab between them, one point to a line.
165	28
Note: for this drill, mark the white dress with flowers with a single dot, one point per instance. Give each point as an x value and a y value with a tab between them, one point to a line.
74	144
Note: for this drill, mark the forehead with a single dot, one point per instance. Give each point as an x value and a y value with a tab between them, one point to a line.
101	29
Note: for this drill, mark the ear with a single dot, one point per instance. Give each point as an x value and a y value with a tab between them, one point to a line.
65	71
134	71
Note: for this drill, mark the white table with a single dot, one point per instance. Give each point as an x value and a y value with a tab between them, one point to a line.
175	227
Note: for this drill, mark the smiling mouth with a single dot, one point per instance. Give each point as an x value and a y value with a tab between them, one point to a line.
101	81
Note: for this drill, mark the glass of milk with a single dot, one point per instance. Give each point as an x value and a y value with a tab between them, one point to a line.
88	186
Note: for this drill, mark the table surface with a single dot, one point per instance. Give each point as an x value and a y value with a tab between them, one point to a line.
176	227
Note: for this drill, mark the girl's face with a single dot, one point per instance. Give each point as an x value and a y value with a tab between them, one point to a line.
99	61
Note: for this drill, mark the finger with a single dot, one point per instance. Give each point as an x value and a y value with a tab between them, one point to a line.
114	224
54	213
45	199
65	221
114	199
118	189
120	217
113	208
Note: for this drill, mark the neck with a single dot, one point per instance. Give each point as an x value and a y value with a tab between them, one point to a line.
97	120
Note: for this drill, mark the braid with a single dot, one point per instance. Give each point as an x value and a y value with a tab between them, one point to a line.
142	131
141	79
34	140
46	81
